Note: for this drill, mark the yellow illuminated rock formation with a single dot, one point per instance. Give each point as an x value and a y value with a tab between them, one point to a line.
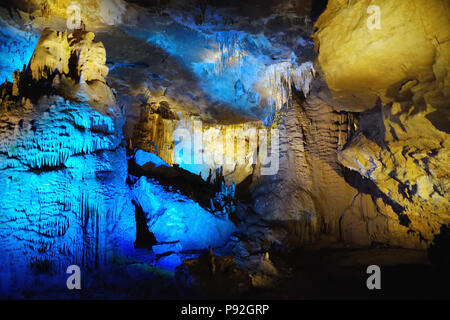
407	57
52	54
55	49
155	133
91	56
410	165
105	11
73	65
396	74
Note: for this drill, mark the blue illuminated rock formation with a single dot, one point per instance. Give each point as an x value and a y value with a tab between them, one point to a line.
65	200
174	217
63	167
16	49
143	157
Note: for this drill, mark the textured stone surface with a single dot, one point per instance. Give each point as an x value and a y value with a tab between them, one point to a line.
155	133
397	152
311	194
109	12
407	57
52	54
55	49
70	65
320	201
90	56
408	159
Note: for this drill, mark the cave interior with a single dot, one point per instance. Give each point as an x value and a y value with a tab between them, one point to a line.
192	149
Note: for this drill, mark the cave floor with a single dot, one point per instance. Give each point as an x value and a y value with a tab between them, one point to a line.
305	275
341	274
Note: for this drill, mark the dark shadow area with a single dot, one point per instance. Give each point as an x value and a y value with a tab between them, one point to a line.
440	119
372	126
439	251
144	238
367	186
318	7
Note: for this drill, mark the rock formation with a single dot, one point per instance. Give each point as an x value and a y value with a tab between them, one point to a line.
51	55
155	132
72	65
91	173
90	56
402	144
364	159
108	12
407	158
362	64
63	169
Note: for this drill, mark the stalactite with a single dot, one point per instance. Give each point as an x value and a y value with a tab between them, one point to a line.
279	79
61	134
230	51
